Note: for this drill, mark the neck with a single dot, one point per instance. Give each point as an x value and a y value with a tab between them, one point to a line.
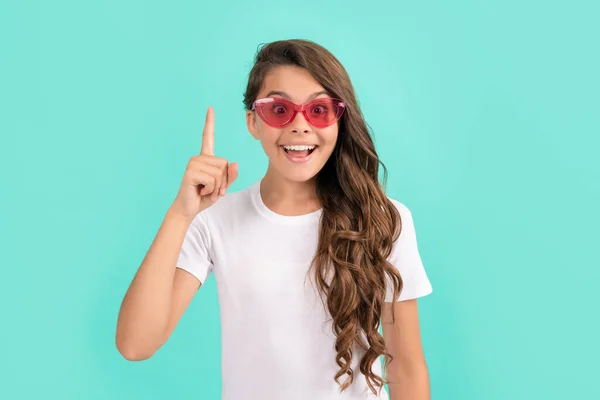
288	197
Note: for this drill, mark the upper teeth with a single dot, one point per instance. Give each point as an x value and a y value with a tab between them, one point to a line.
299	147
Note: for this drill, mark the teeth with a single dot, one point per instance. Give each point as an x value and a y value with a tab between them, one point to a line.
299	147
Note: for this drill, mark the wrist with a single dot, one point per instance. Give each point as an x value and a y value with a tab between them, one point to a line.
175	213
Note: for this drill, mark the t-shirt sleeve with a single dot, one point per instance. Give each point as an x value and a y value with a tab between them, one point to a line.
406	258
194	256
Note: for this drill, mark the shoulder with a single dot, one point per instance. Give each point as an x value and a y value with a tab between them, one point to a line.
401	207
233	204
407	225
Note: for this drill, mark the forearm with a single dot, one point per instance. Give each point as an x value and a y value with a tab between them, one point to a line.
145	309
410	385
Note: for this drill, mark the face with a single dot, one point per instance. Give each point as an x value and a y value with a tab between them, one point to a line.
315	144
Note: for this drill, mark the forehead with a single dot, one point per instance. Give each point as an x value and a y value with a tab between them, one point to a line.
295	81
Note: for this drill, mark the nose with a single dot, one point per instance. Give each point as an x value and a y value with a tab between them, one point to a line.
299	124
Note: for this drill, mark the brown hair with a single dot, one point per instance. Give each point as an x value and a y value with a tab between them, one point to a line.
359	223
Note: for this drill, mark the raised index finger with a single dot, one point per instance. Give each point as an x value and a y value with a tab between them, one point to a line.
208	135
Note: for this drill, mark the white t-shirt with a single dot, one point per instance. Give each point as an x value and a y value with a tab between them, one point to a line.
277	338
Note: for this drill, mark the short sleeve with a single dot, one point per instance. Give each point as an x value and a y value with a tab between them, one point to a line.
406	258
194	256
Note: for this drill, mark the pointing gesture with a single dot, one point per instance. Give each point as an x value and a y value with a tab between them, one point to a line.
206	177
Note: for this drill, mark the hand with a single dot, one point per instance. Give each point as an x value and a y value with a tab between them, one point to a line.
206	177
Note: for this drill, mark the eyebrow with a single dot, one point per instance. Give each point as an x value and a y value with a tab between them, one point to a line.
285	95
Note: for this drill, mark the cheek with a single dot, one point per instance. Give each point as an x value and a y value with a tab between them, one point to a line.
329	137
268	135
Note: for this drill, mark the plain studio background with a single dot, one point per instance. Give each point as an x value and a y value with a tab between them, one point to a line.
485	113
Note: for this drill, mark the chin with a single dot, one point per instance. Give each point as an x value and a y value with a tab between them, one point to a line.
297	172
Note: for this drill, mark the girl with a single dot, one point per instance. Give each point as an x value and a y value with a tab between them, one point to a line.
320	213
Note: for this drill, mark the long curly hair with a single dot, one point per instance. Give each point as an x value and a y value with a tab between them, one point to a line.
358	224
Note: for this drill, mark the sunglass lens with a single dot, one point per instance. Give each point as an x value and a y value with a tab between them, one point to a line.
277	112
324	112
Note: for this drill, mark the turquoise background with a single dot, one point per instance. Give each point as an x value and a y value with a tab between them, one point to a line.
485	113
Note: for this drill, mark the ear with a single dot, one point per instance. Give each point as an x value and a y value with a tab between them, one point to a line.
251	123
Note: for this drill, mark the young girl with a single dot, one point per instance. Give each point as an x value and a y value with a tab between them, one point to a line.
309	261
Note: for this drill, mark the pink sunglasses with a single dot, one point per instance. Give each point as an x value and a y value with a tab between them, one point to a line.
279	112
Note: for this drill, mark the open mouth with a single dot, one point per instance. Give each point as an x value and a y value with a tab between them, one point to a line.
298	153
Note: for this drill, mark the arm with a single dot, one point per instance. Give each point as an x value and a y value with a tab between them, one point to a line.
161	292
158	294
407	373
